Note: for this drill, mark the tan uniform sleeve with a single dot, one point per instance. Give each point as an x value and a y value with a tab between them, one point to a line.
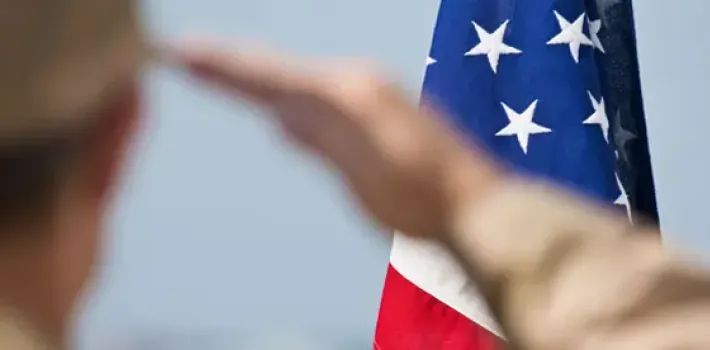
559	273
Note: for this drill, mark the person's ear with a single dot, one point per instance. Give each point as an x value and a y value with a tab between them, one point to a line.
110	142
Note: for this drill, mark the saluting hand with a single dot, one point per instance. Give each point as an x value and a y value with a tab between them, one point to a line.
406	167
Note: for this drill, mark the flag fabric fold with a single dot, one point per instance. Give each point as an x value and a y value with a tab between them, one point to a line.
550	88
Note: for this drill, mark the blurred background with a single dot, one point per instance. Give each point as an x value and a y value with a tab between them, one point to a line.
224	239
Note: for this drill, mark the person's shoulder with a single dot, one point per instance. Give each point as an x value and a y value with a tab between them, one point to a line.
16	335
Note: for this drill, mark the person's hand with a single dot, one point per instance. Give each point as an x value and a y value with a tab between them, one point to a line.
403	164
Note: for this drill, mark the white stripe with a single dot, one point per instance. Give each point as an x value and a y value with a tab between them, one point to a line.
428	266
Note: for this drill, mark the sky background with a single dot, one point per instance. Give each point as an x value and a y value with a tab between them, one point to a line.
674	51
223	235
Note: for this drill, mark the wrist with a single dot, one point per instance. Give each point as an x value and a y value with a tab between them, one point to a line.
469	183
478	193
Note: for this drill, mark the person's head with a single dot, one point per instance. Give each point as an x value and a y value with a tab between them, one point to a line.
68	106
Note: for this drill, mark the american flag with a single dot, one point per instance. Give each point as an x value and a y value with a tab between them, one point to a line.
549	87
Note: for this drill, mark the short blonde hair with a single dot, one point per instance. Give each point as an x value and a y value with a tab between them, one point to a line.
61	60
59	57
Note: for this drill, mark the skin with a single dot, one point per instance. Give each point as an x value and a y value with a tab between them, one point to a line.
46	263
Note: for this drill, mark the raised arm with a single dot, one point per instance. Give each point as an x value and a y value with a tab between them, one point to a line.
557	271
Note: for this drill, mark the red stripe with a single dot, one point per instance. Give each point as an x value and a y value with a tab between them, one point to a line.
411	319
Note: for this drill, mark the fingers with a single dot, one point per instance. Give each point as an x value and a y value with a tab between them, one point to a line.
323	104
288	86
258	74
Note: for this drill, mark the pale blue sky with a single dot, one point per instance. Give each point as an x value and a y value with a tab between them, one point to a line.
674	52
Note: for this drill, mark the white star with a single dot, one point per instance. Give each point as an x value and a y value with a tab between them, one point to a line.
521	125
430	61
599	116
492	45
594	28
571	34
623	197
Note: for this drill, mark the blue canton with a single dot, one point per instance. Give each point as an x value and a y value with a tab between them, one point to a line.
528	80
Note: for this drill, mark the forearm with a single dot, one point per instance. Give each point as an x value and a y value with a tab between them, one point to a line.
552	267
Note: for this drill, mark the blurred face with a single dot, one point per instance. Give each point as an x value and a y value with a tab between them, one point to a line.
71	253
72	257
